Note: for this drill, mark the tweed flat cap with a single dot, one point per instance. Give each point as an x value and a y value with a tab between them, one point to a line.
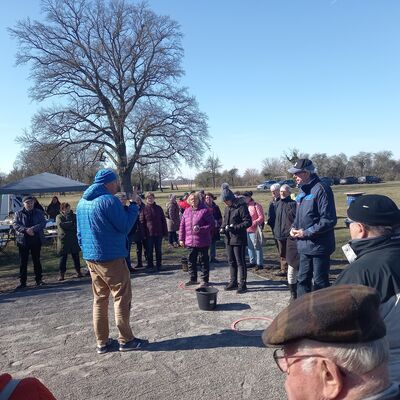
338	314
374	210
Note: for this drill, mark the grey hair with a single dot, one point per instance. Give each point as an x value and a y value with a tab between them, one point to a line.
285	187
275	186
359	358
379	230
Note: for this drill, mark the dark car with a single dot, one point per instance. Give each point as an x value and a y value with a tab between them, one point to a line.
328	181
289	182
349	180
369	179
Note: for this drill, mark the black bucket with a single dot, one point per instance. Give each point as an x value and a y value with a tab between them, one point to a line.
207	298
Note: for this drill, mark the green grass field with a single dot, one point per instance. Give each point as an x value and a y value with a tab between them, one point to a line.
9	263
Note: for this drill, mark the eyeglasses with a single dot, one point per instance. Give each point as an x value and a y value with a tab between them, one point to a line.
347	222
282	360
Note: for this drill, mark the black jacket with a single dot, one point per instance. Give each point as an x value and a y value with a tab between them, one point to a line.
272	213
285	211
377	265
237	215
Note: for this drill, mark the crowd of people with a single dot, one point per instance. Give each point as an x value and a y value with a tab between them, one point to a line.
361	310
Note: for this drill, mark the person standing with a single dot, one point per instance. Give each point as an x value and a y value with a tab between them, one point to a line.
154	226
272	207
215	211
172	215
195	234
256	257
285	213
28	225
234	224
136	236
53	209
103	226
313	227
67	240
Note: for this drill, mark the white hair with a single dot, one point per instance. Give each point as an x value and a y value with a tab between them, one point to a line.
275	186
359	358
285	187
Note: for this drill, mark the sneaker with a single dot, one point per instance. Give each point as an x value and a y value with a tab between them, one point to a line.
40	283
104	349
231	286
191	283
21	286
134	344
242	289
251	265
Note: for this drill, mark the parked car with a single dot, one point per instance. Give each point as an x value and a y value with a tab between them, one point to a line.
266	185
328	181
349	180
289	182
369	179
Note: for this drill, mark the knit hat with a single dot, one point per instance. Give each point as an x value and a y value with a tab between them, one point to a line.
374	210
105	176
226	193
338	314
27	198
302	164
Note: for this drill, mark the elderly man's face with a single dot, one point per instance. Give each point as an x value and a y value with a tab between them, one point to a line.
28	205
284	193
301	177
275	193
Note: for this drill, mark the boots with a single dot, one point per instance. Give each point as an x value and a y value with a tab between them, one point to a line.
293	292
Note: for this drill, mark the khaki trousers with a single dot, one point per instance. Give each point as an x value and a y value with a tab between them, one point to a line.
111	277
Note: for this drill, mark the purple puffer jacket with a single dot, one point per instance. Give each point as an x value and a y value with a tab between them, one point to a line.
201	217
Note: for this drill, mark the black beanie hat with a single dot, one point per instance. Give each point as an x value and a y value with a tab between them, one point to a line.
226	193
374	210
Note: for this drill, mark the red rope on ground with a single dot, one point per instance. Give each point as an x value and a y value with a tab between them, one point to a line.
234	323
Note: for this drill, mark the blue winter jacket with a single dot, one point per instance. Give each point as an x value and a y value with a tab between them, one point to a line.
316	215
103	224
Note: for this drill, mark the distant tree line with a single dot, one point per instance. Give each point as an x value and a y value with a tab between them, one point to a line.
381	164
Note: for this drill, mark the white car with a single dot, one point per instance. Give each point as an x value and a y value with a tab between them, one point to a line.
265	185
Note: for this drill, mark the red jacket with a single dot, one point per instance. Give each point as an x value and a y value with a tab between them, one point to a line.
27	388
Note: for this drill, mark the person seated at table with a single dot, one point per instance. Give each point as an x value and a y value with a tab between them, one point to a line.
53	209
67	241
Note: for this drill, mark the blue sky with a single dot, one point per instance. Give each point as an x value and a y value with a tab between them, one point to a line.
317	75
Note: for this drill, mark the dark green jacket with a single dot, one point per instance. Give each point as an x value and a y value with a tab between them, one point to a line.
67	241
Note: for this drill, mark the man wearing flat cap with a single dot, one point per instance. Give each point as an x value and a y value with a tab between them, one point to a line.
313	227
103	226
331	344
28	225
374	256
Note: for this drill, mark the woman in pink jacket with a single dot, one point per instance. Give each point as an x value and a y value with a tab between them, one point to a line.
195	234
256	257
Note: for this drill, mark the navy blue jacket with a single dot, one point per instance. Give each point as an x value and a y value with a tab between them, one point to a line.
316	215
25	219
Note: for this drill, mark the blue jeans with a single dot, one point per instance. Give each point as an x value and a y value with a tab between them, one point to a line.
312	268
255	256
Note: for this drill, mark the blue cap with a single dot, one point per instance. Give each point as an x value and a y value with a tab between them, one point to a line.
105	176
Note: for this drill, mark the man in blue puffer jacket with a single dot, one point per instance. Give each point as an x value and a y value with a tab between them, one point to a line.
313	227
103	226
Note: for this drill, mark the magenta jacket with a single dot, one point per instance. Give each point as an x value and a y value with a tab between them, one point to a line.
192	217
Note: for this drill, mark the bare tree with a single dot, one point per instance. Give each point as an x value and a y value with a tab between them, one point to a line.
251	176
212	166
114	68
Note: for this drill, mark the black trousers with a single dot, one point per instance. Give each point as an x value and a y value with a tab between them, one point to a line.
154	242
62	263
237	263
24	251
199	256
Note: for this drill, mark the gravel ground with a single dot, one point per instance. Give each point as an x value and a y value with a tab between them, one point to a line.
192	354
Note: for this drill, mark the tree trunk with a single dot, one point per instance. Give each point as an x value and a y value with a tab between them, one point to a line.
125	180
